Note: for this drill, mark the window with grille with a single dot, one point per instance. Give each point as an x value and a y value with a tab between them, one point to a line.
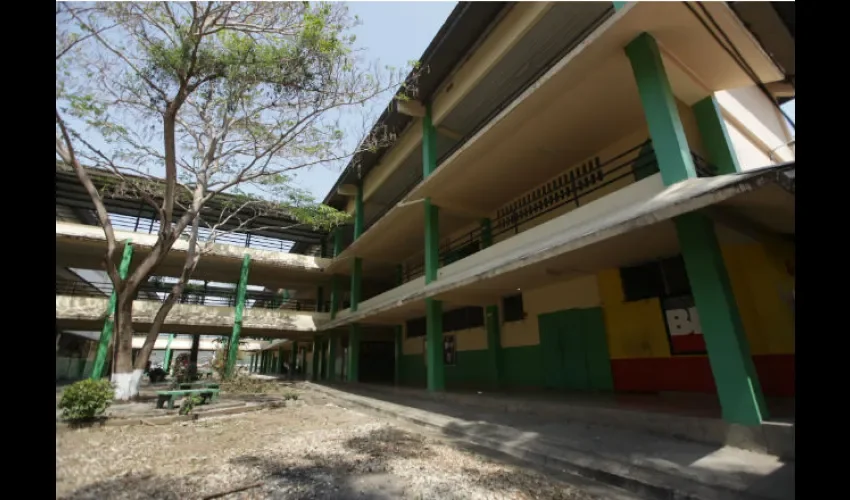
663	278
513	308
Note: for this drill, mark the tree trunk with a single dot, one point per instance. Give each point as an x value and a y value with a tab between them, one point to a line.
124	377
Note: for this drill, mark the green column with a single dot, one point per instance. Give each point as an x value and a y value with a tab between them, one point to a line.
241	289
332	343
738	387
320	299
728	351
662	115
335	296
280	358
715	137
494	343
251	364
354	352
356	278
293	358
399	353
323	357
337	242
109	323
433	308
314	371
255	360
619	5
166	363
491	317
304	363
358	210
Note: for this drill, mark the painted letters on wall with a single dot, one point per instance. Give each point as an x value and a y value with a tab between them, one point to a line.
683	326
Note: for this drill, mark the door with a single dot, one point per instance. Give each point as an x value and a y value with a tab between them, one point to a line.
550	327
575	350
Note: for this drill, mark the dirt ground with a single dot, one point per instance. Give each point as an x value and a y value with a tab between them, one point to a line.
312	449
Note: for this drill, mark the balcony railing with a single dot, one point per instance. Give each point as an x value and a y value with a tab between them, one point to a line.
573	187
212	296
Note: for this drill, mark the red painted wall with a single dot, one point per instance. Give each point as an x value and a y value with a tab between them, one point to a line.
693	374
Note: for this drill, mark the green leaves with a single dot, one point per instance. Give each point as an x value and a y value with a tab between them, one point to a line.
86	399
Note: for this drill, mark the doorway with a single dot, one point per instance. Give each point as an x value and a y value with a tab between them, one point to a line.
575	350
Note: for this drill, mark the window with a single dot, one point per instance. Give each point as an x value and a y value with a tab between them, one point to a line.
666	278
416	327
513	308
463	319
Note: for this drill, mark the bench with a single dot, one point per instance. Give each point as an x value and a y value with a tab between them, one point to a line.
207	394
197	385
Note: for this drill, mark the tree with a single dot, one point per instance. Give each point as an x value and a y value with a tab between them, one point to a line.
182	102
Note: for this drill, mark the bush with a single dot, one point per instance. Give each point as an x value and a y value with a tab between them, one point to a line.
86	399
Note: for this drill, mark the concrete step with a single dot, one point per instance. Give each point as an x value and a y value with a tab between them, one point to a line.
650	466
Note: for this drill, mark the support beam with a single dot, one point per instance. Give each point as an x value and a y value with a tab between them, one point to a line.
356	282
166	363
354	352
662	115
314	369
434	345
494	344
715	137
293	359
432	241
333	340
359	224
109	323
241	289
737	384
410	108
399	353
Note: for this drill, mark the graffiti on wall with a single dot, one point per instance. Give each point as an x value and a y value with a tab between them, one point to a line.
683	326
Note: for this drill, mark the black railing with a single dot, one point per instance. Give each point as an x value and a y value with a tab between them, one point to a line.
247	240
212	296
569	188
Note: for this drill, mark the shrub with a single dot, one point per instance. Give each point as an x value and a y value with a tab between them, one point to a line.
189	404
86	399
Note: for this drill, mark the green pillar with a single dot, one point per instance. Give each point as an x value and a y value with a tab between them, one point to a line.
251	364
715	137
491	317
737	384
320	299
399	353
304	363
332	343
335	296
433	308
166	363
255	361
354	352
356	277
109	323
293	358
323	357
358	210
619	5
314	371
280	358
662	115
337	242
241	289
494	343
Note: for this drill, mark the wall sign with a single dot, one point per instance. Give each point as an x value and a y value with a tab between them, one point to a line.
684	331
449	352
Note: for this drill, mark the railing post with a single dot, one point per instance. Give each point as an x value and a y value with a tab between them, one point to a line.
233	350
109	323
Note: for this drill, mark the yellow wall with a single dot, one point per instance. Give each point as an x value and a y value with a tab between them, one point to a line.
573	294
762	289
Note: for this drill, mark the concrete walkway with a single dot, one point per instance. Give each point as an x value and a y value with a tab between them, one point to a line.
652	466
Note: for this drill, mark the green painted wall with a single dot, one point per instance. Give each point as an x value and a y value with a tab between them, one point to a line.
521	366
412	372
471	370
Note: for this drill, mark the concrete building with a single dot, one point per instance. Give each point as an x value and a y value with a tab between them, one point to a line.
583	197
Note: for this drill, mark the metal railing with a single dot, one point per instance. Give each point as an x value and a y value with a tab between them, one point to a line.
212	296
569	188
247	240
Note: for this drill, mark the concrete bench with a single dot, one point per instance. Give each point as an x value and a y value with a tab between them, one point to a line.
207	394
197	385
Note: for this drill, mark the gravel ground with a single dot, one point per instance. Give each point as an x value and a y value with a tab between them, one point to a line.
310	450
